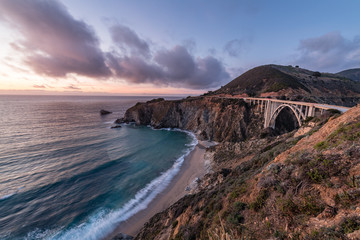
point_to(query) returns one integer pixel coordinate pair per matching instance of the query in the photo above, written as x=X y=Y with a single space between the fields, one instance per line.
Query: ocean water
x=65 y=174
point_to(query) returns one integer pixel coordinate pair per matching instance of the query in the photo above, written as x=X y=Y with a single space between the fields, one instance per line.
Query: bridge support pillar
x=272 y=107
x=311 y=111
x=267 y=113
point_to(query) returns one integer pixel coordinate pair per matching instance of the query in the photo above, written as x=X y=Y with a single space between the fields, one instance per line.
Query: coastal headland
x=266 y=183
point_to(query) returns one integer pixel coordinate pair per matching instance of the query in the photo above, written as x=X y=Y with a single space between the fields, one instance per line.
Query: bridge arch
x=271 y=108
x=299 y=115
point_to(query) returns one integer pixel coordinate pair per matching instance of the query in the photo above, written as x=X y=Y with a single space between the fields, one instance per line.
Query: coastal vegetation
x=264 y=184
x=291 y=188
x=296 y=84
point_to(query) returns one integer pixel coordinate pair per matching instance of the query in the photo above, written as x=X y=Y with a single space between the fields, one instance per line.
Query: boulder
x=104 y=112
x=119 y=121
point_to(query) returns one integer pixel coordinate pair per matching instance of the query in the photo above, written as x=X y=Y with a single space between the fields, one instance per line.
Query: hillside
x=353 y=74
x=261 y=80
x=293 y=83
x=265 y=183
x=300 y=185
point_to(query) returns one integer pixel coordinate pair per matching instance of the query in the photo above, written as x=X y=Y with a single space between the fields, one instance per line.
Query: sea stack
x=104 y=112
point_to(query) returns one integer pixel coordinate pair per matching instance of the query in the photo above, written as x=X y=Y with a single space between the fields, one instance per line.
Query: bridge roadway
x=272 y=108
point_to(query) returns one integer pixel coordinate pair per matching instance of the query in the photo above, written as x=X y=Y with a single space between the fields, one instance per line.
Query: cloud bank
x=126 y=39
x=55 y=44
x=170 y=67
x=329 y=52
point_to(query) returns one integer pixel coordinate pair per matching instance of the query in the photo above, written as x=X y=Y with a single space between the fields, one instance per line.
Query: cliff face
x=215 y=119
x=299 y=185
x=294 y=186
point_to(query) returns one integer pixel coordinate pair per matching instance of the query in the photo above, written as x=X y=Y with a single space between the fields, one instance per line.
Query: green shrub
x=234 y=218
x=259 y=201
x=316 y=74
x=287 y=206
x=233 y=195
x=325 y=233
x=234 y=214
x=349 y=132
x=275 y=87
x=346 y=200
x=239 y=206
x=310 y=206
x=321 y=145
x=315 y=175
x=350 y=225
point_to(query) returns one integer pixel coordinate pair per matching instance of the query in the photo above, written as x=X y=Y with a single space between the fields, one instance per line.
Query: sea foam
x=7 y=196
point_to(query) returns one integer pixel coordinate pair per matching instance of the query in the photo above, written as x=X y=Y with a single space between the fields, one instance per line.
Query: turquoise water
x=65 y=174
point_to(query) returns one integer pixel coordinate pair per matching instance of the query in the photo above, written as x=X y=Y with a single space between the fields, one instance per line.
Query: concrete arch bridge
x=271 y=108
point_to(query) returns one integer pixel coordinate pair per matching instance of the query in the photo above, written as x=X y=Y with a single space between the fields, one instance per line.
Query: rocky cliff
x=215 y=119
x=300 y=185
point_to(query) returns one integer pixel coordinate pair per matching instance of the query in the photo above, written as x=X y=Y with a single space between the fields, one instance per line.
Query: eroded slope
x=285 y=187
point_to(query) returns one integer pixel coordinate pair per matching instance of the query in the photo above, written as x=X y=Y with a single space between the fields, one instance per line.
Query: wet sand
x=193 y=167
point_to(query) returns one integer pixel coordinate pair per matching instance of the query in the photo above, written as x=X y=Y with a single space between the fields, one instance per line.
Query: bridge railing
x=271 y=108
x=316 y=105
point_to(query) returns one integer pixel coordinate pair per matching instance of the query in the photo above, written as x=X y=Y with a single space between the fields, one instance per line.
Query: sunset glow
x=74 y=47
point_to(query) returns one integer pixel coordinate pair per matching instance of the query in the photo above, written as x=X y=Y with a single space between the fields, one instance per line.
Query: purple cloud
x=180 y=68
x=175 y=67
x=177 y=63
x=133 y=69
x=125 y=39
x=329 y=52
x=210 y=72
x=54 y=43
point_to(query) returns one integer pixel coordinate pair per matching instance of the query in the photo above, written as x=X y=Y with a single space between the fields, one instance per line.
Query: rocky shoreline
x=259 y=189
x=211 y=119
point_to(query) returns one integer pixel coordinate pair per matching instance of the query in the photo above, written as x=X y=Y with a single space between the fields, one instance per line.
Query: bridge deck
x=317 y=105
x=273 y=107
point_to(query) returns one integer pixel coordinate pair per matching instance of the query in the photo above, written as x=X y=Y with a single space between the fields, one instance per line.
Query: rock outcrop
x=302 y=184
x=104 y=112
x=210 y=118
x=284 y=187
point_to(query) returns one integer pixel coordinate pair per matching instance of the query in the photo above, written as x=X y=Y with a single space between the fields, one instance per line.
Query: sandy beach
x=193 y=167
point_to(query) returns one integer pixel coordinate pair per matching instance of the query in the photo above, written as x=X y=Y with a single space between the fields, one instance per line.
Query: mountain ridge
x=293 y=83
x=353 y=74
x=302 y=184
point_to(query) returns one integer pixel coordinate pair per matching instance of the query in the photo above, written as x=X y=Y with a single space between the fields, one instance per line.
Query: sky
x=162 y=47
